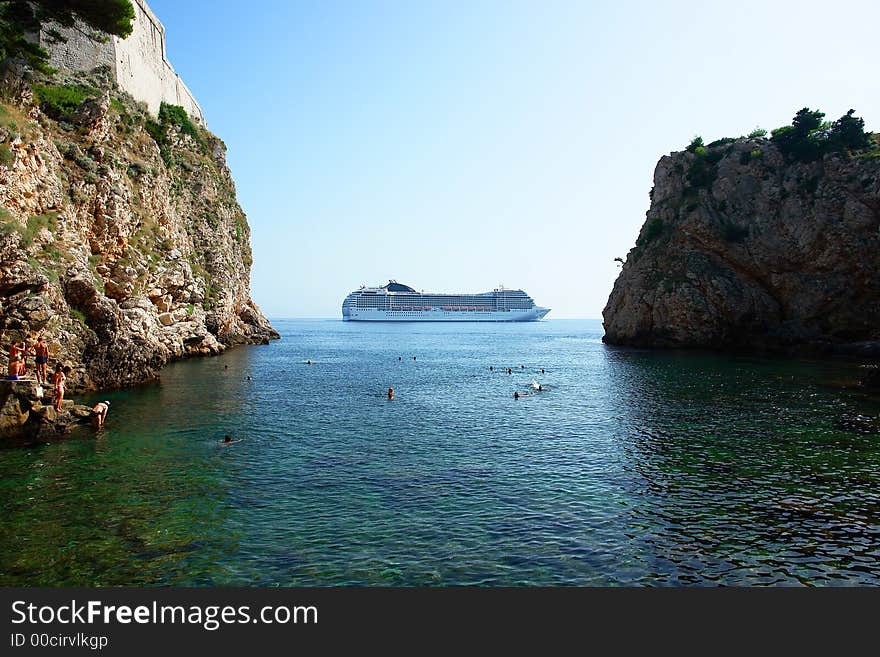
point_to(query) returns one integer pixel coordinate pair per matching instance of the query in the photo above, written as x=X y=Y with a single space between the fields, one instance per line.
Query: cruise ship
x=396 y=302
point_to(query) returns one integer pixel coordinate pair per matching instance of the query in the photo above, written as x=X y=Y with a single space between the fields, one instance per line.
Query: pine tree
x=848 y=132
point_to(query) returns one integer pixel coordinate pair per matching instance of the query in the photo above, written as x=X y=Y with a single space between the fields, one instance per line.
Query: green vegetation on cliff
x=61 y=101
x=808 y=137
x=172 y=116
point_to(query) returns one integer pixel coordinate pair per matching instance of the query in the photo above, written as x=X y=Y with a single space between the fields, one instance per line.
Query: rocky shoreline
x=747 y=248
x=27 y=412
x=121 y=239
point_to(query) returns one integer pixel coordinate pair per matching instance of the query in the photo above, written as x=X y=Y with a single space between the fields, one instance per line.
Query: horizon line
x=271 y=317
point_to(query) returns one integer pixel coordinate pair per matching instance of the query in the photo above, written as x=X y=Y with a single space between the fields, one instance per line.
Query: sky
x=455 y=146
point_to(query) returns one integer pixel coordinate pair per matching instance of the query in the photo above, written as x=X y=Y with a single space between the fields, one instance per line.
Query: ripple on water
x=632 y=467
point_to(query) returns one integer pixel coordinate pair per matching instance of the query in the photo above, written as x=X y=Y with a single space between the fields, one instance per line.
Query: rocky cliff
x=121 y=238
x=747 y=246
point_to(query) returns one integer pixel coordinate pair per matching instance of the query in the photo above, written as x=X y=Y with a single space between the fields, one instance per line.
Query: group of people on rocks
x=17 y=369
x=18 y=353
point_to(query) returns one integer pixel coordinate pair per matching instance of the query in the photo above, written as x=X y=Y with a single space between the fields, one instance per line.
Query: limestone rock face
x=13 y=410
x=747 y=250
x=121 y=240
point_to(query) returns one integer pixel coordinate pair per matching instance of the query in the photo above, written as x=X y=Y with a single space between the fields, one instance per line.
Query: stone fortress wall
x=138 y=63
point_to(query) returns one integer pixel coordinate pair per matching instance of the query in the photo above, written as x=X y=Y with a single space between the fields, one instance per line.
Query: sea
x=628 y=468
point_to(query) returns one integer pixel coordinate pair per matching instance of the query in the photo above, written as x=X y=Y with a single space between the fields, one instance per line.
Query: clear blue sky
x=458 y=145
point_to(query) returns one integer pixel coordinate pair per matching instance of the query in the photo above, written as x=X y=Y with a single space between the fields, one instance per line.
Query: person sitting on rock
x=15 y=359
x=41 y=356
x=100 y=410
x=58 y=380
x=17 y=353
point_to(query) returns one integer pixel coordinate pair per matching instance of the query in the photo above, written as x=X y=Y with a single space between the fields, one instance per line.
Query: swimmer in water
x=491 y=369
x=390 y=394
x=542 y=370
x=515 y=395
x=227 y=440
x=414 y=357
x=522 y=367
x=509 y=371
x=308 y=362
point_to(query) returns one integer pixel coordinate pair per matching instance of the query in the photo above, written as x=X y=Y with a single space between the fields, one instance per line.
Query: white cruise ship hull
x=440 y=315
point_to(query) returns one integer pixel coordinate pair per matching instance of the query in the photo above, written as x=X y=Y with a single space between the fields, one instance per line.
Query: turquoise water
x=631 y=467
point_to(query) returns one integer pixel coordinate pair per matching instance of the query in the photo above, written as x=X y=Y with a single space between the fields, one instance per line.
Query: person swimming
x=516 y=395
x=390 y=394
x=542 y=370
x=227 y=440
x=308 y=362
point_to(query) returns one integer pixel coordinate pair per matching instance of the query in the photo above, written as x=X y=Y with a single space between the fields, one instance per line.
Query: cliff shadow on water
x=785 y=449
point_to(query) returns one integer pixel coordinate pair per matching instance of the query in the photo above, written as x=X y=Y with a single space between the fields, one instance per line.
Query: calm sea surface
x=631 y=467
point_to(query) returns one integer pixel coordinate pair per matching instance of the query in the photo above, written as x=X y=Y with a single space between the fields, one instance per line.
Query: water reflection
x=741 y=475
x=134 y=503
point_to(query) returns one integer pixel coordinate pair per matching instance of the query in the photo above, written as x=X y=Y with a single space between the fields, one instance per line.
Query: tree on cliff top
x=21 y=17
x=849 y=132
x=808 y=137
